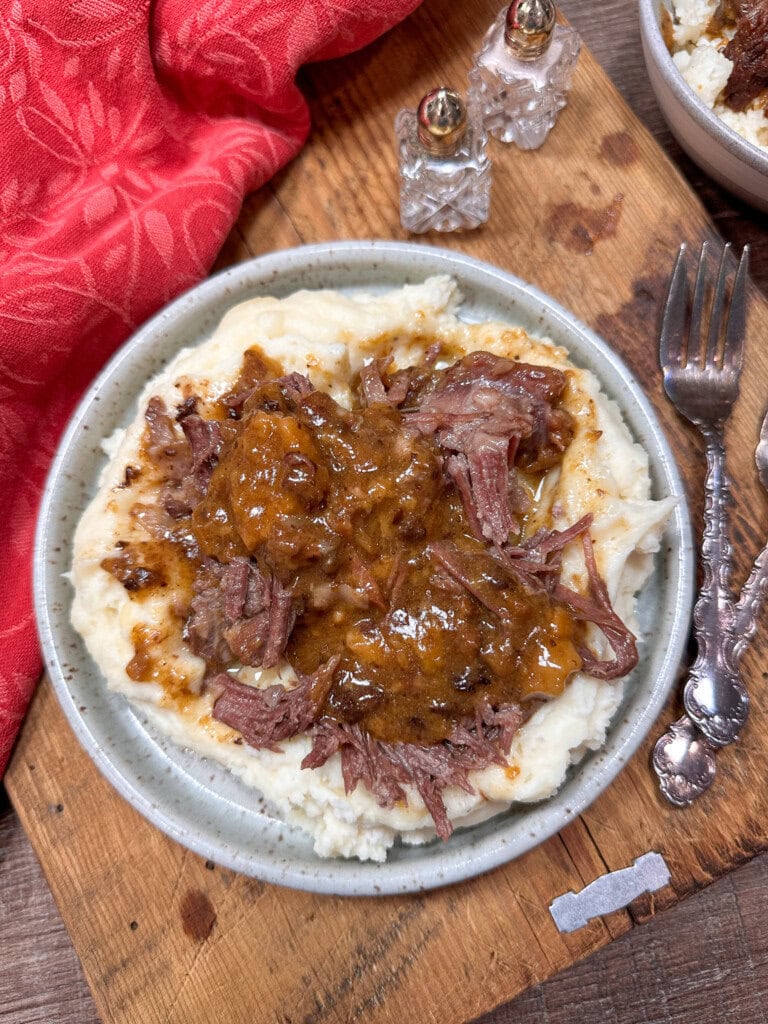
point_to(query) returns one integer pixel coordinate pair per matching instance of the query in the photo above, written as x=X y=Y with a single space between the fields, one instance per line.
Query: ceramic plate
x=197 y=802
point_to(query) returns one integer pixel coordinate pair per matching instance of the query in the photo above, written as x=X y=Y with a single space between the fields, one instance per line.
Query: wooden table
x=706 y=959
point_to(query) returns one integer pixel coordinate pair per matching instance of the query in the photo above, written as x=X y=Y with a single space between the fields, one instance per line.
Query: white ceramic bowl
x=720 y=151
x=199 y=803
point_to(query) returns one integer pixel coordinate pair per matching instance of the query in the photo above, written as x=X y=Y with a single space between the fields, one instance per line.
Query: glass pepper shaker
x=520 y=79
x=445 y=174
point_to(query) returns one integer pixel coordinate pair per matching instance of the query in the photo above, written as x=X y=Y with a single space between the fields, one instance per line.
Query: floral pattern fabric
x=129 y=133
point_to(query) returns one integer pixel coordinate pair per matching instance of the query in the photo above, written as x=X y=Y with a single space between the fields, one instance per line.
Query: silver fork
x=701 y=377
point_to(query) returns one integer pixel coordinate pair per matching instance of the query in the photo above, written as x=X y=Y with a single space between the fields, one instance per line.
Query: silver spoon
x=683 y=759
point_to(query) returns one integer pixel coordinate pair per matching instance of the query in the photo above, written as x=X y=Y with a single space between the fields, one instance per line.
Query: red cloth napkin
x=129 y=134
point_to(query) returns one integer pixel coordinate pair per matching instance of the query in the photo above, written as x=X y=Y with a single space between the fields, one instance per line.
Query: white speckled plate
x=199 y=803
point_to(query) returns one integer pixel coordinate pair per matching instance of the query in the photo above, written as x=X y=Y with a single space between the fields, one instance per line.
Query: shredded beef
x=749 y=52
x=458 y=564
x=296 y=387
x=384 y=768
x=186 y=408
x=282 y=615
x=540 y=556
x=484 y=409
x=536 y=562
x=265 y=717
x=239 y=614
x=205 y=441
x=235 y=400
x=597 y=608
x=247 y=638
x=186 y=461
x=204 y=629
x=235 y=580
x=457 y=468
x=165 y=448
x=372 y=381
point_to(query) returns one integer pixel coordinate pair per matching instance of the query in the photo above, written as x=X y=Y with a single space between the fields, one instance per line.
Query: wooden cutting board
x=594 y=219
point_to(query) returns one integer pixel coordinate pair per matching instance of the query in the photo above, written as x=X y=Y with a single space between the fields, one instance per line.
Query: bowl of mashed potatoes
x=706 y=63
x=379 y=574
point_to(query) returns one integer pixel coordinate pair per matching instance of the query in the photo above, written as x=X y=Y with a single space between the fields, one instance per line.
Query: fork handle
x=713 y=614
x=714 y=696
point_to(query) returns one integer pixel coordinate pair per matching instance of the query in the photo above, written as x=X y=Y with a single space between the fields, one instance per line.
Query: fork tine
x=673 y=319
x=736 y=328
x=718 y=306
x=697 y=309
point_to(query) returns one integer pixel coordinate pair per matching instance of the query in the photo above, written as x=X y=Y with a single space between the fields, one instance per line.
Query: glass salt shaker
x=520 y=79
x=445 y=174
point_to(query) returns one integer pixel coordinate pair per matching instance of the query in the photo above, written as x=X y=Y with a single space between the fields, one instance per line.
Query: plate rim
x=492 y=851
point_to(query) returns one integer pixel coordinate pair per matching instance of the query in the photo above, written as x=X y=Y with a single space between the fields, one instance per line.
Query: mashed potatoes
x=697 y=53
x=328 y=337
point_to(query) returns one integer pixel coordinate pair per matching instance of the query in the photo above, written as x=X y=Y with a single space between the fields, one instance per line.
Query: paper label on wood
x=610 y=892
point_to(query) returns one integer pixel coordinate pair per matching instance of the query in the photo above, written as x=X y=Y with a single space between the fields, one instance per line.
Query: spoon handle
x=748 y=609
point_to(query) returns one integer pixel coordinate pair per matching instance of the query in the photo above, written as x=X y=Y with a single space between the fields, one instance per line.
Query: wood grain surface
x=161 y=935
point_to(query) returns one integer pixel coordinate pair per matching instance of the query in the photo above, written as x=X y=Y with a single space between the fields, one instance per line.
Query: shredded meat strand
x=384 y=768
x=239 y=613
x=748 y=49
x=376 y=387
x=485 y=410
x=598 y=609
x=265 y=717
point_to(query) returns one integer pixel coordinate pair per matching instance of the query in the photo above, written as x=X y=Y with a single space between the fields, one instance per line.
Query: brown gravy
x=343 y=506
x=144 y=567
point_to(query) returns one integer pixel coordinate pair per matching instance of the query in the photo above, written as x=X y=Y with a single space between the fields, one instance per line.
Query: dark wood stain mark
x=250 y=890
x=197 y=915
x=638 y=319
x=111 y=973
x=579 y=228
x=365 y=961
x=633 y=328
x=394 y=976
x=619 y=149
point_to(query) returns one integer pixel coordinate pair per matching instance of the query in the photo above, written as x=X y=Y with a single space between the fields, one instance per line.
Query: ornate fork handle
x=714 y=696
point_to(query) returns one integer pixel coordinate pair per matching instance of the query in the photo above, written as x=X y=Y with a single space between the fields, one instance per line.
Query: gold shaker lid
x=442 y=121
x=529 y=27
